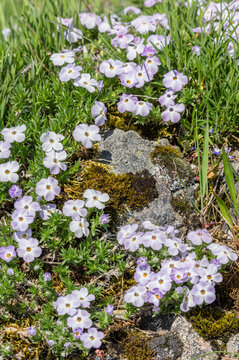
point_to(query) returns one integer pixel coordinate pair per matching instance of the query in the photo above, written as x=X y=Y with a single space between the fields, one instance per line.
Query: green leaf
x=224 y=210
x=205 y=160
x=230 y=180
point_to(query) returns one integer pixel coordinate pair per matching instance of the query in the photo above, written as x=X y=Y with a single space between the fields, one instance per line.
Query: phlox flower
x=48 y=188
x=84 y=297
x=210 y=274
x=21 y=220
x=104 y=219
x=89 y=20
x=99 y=111
x=149 y=226
x=134 y=48
x=196 y=50
x=131 y=9
x=127 y=103
x=133 y=242
x=126 y=232
x=7 y=253
x=15 y=191
x=143 y=24
x=142 y=108
x=32 y=331
x=167 y=99
x=22 y=235
x=154 y=239
x=10 y=271
x=67 y=304
x=26 y=203
x=109 y=310
x=188 y=301
x=75 y=209
x=47 y=210
x=161 y=281
x=142 y=263
x=77 y=333
x=175 y=246
x=223 y=253
x=80 y=320
x=199 y=236
x=79 y=227
x=110 y=68
x=179 y=275
x=92 y=338
x=159 y=41
x=86 y=134
x=51 y=141
x=95 y=198
x=149 y=3
x=154 y=297
x=136 y=295
x=86 y=82
x=73 y=35
x=6 y=33
x=4 y=149
x=122 y=39
x=14 y=134
x=47 y=276
x=142 y=76
x=70 y=71
x=172 y=113
x=174 y=80
x=68 y=22
x=203 y=292
x=151 y=66
x=160 y=19
x=104 y=25
x=142 y=276
x=149 y=51
x=62 y=58
x=53 y=162
x=28 y=249
x=129 y=79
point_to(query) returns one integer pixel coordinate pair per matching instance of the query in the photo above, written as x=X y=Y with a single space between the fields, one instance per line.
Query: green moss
x=181 y=205
x=213 y=323
x=125 y=191
x=136 y=346
x=171 y=158
x=119 y=121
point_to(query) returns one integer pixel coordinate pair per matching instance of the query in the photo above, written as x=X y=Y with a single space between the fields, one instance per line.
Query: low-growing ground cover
x=76 y=272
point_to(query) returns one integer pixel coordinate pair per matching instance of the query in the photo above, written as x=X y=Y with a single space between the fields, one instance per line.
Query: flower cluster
x=51 y=144
x=79 y=319
x=185 y=270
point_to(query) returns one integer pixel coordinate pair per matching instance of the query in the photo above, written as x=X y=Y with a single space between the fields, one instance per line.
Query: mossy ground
x=125 y=191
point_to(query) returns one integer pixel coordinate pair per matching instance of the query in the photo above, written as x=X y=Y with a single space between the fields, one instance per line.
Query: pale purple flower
x=92 y=338
x=175 y=246
x=142 y=262
x=21 y=220
x=50 y=342
x=137 y=295
x=143 y=24
x=100 y=85
x=77 y=333
x=104 y=219
x=99 y=111
x=68 y=22
x=73 y=35
x=67 y=345
x=26 y=203
x=47 y=276
x=134 y=48
x=216 y=151
x=142 y=108
x=154 y=297
x=48 y=188
x=172 y=113
x=142 y=76
x=187 y=302
x=196 y=50
x=51 y=141
x=75 y=209
x=159 y=41
x=6 y=33
x=127 y=103
x=67 y=304
x=110 y=68
x=142 y=276
x=154 y=239
x=199 y=236
x=80 y=320
x=8 y=171
x=151 y=66
x=86 y=82
x=53 y=161
x=4 y=149
x=22 y=235
x=47 y=210
x=149 y=51
x=129 y=79
x=223 y=253
x=104 y=26
x=15 y=191
x=167 y=99
x=28 y=249
x=10 y=271
x=133 y=242
x=79 y=227
x=179 y=275
x=86 y=134
x=210 y=274
x=161 y=281
x=31 y=330
x=89 y=20
x=84 y=297
x=203 y=292
x=149 y=3
x=7 y=253
x=125 y=232
x=109 y=309
x=122 y=39
x=14 y=134
x=131 y=9
x=70 y=71
x=175 y=80
x=95 y=198
x=62 y=58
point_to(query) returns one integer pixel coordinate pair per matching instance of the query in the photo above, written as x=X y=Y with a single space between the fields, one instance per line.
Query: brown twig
x=33 y=31
x=43 y=65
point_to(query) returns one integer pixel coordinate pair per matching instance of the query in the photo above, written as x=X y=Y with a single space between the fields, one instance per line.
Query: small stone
x=233 y=344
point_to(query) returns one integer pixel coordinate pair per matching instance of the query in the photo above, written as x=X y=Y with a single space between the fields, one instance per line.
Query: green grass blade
x=224 y=211
x=230 y=180
x=205 y=160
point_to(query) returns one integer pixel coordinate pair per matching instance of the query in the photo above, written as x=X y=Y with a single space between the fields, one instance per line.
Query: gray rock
x=193 y=344
x=167 y=346
x=233 y=344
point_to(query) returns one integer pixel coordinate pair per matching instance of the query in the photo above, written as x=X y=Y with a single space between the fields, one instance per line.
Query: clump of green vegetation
x=171 y=158
x=119 y=121
x=213 y=323
x=125 y=190
x=136 y=346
